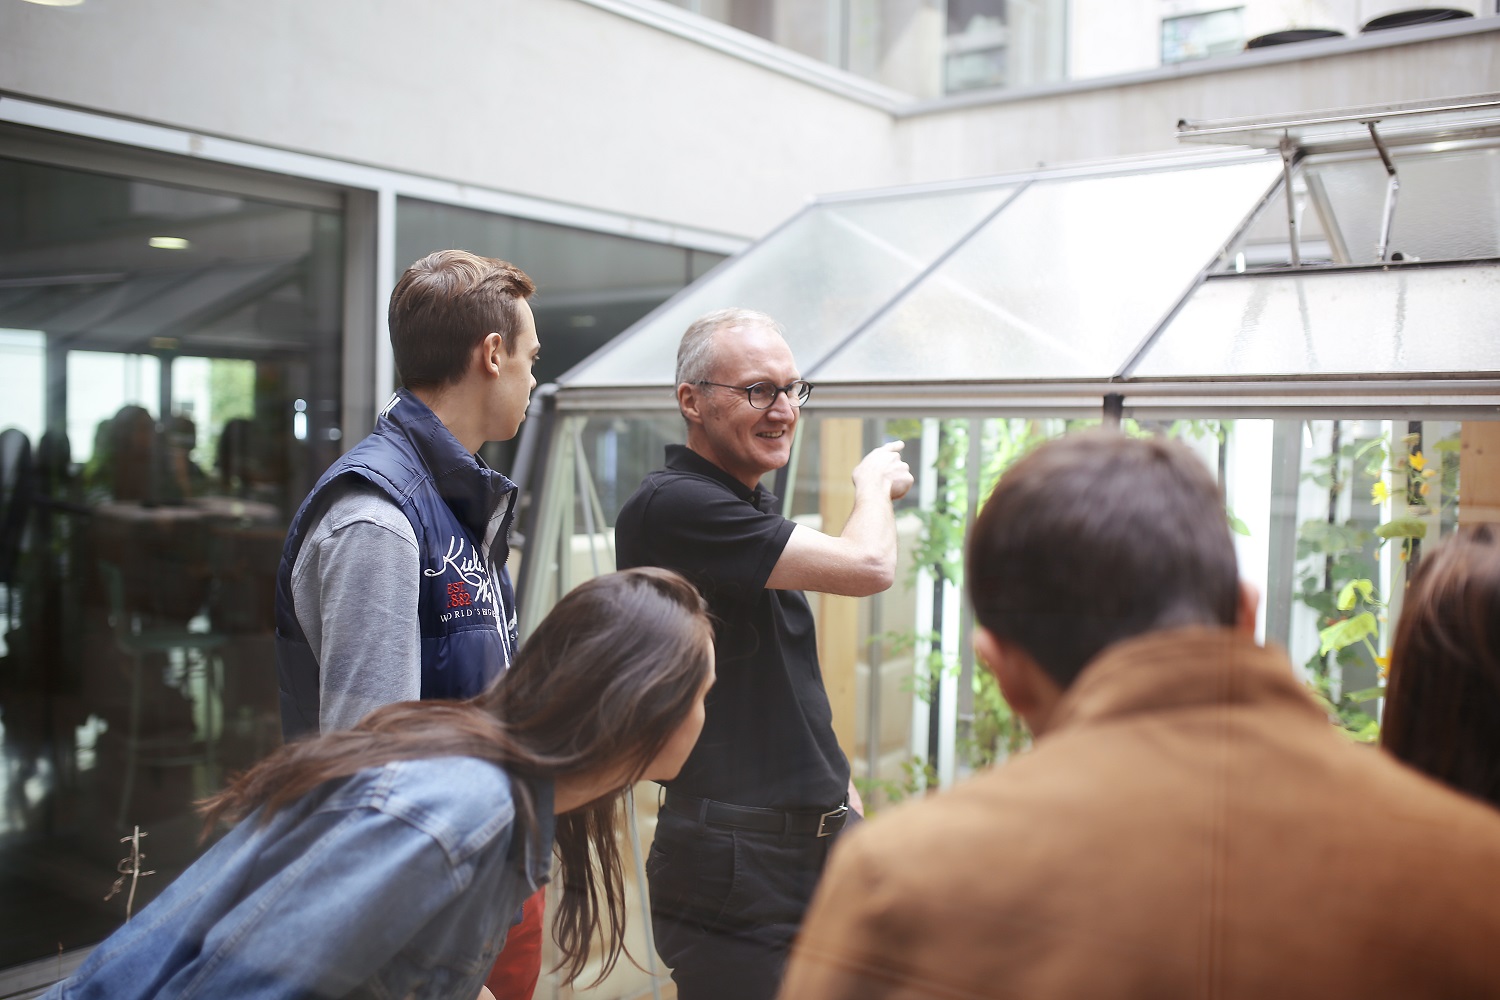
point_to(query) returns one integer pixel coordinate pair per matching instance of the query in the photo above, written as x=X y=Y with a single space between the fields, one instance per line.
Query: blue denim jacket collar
x=538 y=848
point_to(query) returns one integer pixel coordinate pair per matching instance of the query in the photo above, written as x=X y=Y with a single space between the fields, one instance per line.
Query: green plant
x=997 y=732
x=1412 y=478
x=1339 y=561
x=917 y=777
x=1360 y=628
x=1338 y=566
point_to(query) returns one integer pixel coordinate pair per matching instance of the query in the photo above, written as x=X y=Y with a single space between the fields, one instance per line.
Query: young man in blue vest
x=392 y=585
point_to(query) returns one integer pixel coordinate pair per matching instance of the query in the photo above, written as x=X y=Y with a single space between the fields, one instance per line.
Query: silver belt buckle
x=839 y=813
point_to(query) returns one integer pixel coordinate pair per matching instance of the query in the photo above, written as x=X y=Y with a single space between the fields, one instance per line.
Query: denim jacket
x=399 y=881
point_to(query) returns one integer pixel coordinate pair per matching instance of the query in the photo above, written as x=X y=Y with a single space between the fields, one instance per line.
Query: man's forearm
x=871 y=530
x=861 y=559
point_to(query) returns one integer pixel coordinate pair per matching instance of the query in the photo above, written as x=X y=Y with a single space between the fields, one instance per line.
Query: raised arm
x=860 y=560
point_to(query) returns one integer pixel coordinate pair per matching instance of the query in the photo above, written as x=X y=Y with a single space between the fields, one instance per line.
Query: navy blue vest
x=467 y=622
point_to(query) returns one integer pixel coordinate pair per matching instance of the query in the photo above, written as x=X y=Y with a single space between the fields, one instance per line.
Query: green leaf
x=1451 y=444
x=1237 y=526
x=1402 y=527
x=1346 y=633
x=1368 y=694
x=1365 y=589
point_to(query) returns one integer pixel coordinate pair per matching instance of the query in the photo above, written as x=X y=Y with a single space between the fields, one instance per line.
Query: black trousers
x=726 y=904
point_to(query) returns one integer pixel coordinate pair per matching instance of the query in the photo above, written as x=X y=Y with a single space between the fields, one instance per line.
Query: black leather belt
x=824 y=824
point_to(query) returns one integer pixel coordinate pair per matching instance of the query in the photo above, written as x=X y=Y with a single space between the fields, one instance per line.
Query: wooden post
x=841 y=446
x=1479 y=472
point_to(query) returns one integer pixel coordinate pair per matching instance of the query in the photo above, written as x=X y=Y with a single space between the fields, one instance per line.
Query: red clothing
x=519 y=964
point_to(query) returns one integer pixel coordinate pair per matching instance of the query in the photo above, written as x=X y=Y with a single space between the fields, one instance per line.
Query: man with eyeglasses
x=744 y=830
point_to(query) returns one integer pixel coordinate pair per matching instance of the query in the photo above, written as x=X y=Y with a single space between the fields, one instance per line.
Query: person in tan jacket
x=1188 y=823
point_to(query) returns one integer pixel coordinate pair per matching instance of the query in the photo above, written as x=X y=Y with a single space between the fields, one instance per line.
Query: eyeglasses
x=762 y=395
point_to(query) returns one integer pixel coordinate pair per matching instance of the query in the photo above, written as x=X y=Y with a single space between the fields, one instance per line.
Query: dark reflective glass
x=170 y=373
x=590 y=286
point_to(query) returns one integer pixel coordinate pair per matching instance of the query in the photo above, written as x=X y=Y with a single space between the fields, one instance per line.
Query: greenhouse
x=1312 y=347
x=1310 y=307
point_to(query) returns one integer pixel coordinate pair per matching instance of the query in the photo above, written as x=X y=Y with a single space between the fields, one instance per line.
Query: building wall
x=550 y=98
x=563 y=100
x=1102 y=122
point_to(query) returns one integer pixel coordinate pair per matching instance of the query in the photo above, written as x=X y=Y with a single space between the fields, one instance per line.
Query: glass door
x=170 y=372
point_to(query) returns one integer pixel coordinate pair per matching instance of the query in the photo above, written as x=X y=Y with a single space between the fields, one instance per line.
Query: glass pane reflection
x=160 y=349
x=821 y=276
x=1447 y=208
x=1378 y=322
x=1064 y=283
x=590 y=286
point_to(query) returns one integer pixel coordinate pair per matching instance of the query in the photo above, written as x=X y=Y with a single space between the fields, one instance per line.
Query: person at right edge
x=745 y=829
x=1189 y=823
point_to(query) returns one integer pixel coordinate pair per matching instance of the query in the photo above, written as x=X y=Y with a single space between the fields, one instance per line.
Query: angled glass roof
x=1096 y=279
x=1380 y=322
x=1447 y=208
x=1062 y=284
x=822 y=274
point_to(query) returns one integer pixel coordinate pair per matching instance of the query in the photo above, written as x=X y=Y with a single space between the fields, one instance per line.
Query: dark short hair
x=1095 y=538
x=444 y=305
x=1442 y=702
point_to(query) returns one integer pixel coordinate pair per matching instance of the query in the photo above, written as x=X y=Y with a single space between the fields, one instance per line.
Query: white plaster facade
x=585 y=103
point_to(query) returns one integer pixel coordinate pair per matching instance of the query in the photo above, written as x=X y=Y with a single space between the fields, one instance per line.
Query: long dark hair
x=1442 y=702
x=598 y=689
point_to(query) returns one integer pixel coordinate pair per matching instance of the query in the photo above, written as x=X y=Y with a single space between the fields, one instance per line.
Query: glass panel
x=1304 y=499
x=993 y=43
x=1064 y=283
x=594 y=465
x=821 y=276
x=171 y=364
x=1370 y=497
x=1396 y=321
x=1447 y=208
x=1198 y=36
x=590 y=286
x=893 y=42
x=1265 y=242
x=23 y=355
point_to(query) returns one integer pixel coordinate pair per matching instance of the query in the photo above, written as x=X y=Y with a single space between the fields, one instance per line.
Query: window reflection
x=590 y=286
x=153 y=340
x=929 y=47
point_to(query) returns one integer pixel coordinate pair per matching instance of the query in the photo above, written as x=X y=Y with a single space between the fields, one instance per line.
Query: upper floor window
x=932 y=47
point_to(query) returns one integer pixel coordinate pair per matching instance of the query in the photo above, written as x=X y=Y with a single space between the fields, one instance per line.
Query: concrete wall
x=552 y=98
x=1099 y=123
x=563 y=100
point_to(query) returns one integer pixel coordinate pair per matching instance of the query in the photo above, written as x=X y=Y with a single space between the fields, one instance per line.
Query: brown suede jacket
x=1189 y=826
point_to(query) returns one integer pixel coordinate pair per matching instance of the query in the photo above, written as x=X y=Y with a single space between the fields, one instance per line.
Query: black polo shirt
x=768 y=737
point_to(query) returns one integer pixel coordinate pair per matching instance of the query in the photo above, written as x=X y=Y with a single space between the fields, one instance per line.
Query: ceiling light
x=57 y=3
x=169 y=243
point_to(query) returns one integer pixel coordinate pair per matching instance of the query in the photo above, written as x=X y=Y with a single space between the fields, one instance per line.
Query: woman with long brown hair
x=1442 y=702
x=388 y=860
